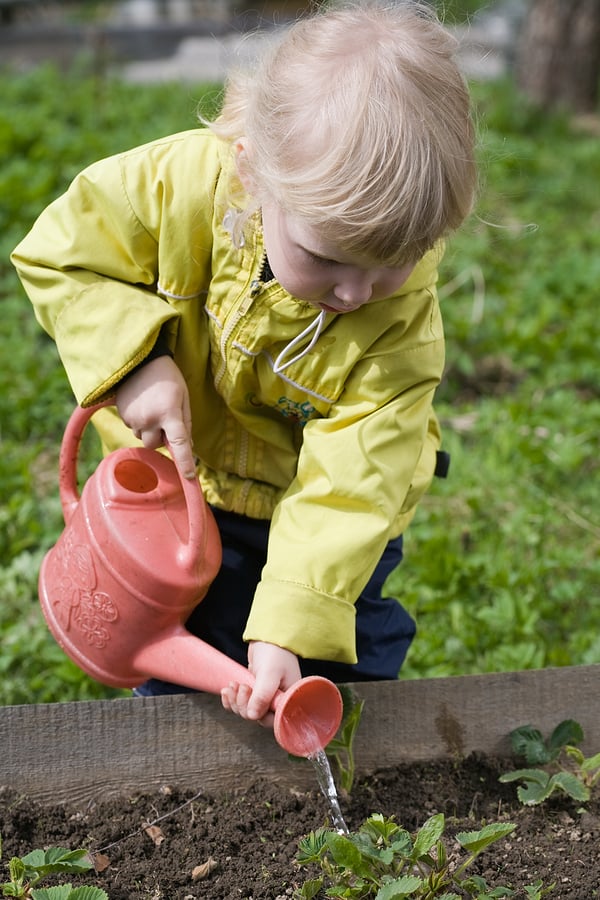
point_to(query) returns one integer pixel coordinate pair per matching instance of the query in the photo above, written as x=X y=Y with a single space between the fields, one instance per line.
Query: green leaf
x=531 y=774
x=590 y=763
x=474 y=883
x=402 y=845
x=311 y=888
x=567 y=732
x=378 y=826
x=575 y=754
x=16 y=869
x=536 y=787
x=311 y=847
x=531 y=794
x=537 y=890
x=382 y=855
x=540 y=785
x=478 y=887
x=428 y=835
x=571 y=785
x=476 y=841
x=528 y=742
x=12 y=890
x=537 y=776
x=399 y=888
x=88 y=892
x=379 y=852
x=498 y=892
x=344 y=852
x=57 y=859
x=352 y=709
x=67 y=892
x=59 y=892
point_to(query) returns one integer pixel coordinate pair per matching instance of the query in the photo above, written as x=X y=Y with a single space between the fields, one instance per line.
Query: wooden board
x=82 y=751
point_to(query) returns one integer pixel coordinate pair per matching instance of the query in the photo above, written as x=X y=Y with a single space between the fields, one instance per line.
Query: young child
x=261 y=292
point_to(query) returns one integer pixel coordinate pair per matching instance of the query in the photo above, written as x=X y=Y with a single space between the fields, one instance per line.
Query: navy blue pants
x=384 y=630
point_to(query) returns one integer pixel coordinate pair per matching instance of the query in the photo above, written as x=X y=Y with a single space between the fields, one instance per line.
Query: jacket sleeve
x=361 y=471
x=93 y=262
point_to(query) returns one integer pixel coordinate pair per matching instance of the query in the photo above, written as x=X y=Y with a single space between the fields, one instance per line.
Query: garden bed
x=114 y=767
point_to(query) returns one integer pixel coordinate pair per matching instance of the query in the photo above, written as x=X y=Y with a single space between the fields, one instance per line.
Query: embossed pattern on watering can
x=83 y=606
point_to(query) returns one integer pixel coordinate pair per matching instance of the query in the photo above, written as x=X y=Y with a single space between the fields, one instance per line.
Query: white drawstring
x=317 y=326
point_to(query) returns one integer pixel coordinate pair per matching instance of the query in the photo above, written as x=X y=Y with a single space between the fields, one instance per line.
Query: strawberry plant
x=341 y=748
x=559 y=764
x=27 y=871
x=383 y=861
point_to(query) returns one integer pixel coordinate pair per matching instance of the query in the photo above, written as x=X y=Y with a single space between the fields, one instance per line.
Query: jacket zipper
x=240 y=312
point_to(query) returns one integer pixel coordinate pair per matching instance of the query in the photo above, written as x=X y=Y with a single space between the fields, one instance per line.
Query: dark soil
x=245 y=844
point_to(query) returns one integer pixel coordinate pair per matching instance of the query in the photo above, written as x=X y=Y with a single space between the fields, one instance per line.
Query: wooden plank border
x=79 y=752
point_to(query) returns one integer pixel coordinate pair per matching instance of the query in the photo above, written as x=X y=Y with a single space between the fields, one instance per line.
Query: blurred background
x=502 y=564
x=191 y=38
x=545 y=39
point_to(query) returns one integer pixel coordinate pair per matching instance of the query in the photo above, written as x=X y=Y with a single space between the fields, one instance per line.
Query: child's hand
x=154 y=402
x=274 y=669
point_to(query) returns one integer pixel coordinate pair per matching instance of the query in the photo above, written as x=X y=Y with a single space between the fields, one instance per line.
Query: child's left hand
x=274 y=669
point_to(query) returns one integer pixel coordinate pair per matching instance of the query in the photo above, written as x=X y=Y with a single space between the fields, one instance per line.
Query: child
x=262 y=293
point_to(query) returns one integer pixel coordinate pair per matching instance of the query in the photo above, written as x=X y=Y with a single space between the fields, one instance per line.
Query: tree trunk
x=558 y=60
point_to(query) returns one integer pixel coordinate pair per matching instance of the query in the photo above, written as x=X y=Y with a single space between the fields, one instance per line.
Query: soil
x=243 y=846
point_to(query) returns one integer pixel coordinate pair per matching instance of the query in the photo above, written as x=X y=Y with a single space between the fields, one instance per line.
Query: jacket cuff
x=160 y=348
x=310 y=624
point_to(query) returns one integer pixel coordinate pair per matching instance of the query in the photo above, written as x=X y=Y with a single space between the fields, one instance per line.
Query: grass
x=502 y=567
x=503 y=560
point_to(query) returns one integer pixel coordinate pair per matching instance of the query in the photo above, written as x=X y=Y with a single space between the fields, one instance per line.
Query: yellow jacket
x=333 y=437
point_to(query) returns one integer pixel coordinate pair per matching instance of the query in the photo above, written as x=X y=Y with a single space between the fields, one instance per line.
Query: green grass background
x=502 y=567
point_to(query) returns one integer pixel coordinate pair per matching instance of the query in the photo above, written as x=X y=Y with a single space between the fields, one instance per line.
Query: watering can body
x=126 y=567
x=138 y=553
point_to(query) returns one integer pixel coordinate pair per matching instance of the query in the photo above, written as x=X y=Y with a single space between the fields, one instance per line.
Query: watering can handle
x=69 y=490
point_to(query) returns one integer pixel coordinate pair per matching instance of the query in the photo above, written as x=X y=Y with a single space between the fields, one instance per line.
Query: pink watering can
x=138 y=553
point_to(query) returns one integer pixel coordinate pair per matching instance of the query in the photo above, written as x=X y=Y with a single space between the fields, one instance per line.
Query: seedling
x=565 y=769
x=383 y=861
x=27 y=871
x=341 y=748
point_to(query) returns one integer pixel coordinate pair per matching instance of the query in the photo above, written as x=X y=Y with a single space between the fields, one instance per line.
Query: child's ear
x=244 y=168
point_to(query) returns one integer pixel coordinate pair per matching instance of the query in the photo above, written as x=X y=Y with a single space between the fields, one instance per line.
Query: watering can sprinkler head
x=138 y=553
x=307 y=716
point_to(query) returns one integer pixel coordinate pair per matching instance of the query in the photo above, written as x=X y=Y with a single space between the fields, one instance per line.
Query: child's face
x=311 y=268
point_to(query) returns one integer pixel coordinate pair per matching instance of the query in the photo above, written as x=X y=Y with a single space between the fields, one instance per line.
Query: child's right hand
x=154 y=402
x=274 y=669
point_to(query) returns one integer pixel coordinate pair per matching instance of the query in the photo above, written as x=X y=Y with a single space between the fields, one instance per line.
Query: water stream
x=328 y=789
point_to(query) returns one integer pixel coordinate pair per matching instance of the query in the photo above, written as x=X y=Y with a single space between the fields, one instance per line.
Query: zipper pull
x=246 y=303
x=255 y=288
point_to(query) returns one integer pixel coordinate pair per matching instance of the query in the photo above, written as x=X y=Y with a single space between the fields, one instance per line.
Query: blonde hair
x=358 y=123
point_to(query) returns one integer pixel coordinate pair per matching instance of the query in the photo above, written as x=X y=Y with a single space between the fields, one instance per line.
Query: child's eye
x=319 y=260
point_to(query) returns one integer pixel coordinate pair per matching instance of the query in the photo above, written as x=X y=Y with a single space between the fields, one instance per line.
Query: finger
x=235 y=698
x=226 y=699
x=236 y=701
x=187 y=414
x=152 y=438
x=180 y=447
x=267 y=721
x=261 y=698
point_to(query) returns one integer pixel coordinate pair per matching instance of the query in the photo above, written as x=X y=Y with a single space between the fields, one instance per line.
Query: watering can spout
x=307 y=715
x=139 y=551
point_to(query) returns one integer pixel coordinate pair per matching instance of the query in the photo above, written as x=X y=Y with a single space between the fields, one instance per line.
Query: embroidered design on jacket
x=299 y=412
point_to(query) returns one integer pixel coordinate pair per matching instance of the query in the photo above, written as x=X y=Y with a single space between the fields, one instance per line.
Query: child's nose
x=354 y=289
